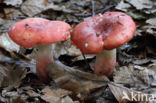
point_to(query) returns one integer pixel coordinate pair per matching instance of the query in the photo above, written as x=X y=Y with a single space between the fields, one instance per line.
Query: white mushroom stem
x=105 y=62
x=44 y=56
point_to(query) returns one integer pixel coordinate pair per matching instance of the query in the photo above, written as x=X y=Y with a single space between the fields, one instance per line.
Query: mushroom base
x=105 y=62
x=44 y=56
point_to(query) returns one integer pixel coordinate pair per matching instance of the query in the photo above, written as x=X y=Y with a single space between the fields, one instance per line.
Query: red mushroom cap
x=106 y=31
x=32 y=31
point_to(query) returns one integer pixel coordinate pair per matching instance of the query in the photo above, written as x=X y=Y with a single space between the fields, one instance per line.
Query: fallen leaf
x=141 y=61
x=124 y=95
x=73 y=80
x=3 y=73
x=13 y=2
x=33 y=7
x=141 y=4
x=32 y=93
x=123 y=6
x=1 y=21
x=12 y=13
x=65 y=48
x=13 y=78
x=8 y=44
x=119 y=92
x=135 y=76
x=54 y=96
x=151 y=29
x=136 y=15
x=151 y=21
x=18 y=100
x=67 y=99
x=6 y=25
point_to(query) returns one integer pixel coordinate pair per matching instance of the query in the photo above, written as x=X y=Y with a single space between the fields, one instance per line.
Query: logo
x=125 y=96
x=138 y=97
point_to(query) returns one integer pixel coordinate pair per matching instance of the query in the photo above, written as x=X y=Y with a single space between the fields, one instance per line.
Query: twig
x=93 y=14
x=102 y=10
x=86 y=61
x=93 y=7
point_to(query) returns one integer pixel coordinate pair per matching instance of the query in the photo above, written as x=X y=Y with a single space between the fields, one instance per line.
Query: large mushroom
x=101 y=35
x=39 y=33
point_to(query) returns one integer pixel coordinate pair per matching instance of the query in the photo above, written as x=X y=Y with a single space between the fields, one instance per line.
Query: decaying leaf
x=7 y=43
x=123 y=57
x=33 y=7
x=123 y=6
x=1 y=21
x=18 y=100
x=13 y=78
x=67 y=99
x=54 y=96
x=124 y=95
x=136 y=15
x=150 y=29
x=3 y=73
x=13 y=2
x=141 y=4
x=75 y=80
x=151 y=21
x=136 y=76
x=6 y=24
x=139 y=76
x=141 y=61
x=32 y=93
x=12 y=13
x=65 y=47
x=119 y=92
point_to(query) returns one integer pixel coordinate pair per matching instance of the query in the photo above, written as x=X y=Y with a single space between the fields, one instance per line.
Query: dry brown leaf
x=136 y=76
x=151 y=29
x=124 y=95
x=13 y=2
x=6 y=24
x=67 y=99
x=151 y=21
x=12 y=13
x=1 y=21
x=65 y=47
x=141 y=61
x=119 y=92
x=123 y=76
x=33 y=7
x=123 y=6
x=72 y=79
x=18 y=100
x=54 y=96
x=3 y=73
x=32 y=93
x=141 y=4
x=8 y=44
x=13 y=78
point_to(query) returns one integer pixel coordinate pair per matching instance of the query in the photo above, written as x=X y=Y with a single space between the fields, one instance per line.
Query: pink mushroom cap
x=107 y=31
x=33 y=31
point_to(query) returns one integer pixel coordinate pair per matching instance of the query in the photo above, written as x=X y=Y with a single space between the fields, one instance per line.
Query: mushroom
x=41 y=33
x=101 y=35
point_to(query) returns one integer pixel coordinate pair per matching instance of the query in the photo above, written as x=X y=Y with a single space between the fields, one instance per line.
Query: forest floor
x=134 y=75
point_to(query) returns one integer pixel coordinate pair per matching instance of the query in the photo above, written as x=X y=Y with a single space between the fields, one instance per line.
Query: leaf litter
x=70 y=82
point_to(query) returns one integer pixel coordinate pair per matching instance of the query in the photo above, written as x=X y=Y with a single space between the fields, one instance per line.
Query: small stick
x=93 y=7
x=86 y=61
x=93 y=14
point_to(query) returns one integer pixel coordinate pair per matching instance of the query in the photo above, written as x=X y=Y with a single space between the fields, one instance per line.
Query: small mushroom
x=41 y=33
x=101 y=35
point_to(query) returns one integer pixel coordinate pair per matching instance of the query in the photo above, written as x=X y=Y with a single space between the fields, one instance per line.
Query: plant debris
x=71 y=76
